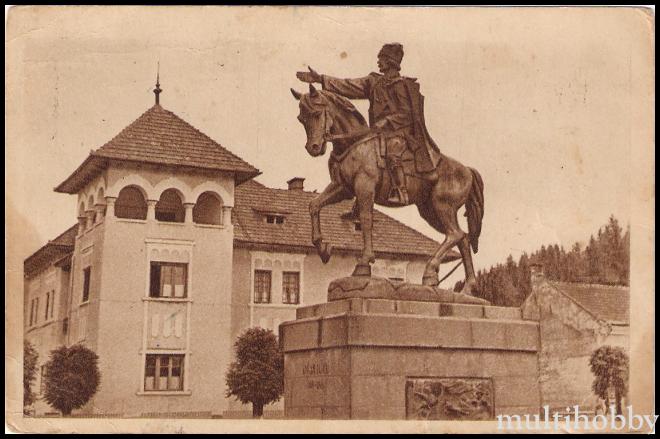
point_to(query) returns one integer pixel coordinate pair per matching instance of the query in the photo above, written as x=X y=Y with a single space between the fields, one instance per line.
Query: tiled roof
x=609 y=303
x=53 y=250
x=159 y=136
x=253 y=200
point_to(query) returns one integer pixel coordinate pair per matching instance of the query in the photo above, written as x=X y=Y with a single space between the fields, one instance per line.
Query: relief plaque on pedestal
x=449 y=399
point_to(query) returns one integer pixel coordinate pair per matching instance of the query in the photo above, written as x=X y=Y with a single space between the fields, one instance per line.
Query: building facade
x=574 y=320
x=176 y=252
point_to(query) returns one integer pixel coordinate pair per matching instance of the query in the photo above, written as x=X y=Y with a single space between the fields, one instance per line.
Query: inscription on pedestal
x=316 y=368
x=449 y=399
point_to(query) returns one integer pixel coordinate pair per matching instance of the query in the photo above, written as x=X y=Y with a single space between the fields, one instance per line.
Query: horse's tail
x=474 y=209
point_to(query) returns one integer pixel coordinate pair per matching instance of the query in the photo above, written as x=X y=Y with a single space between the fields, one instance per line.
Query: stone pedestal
x=364 y=358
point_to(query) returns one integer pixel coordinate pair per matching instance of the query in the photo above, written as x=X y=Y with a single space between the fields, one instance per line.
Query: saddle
x=395 y=155
x=394 y=145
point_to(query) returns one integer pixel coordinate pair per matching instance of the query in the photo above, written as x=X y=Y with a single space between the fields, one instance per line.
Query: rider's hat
x=393 y=51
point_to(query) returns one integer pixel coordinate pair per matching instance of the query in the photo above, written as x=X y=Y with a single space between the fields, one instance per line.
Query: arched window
x=208 y=209
x=131 y=204
x=81 y=215
x=90 y=204
x=100 y=199
x=170 y=208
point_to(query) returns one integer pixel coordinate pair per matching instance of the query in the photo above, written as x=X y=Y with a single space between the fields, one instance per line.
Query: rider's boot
x=400 y=194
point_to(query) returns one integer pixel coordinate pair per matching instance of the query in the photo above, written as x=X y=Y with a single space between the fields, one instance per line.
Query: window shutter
x=166 y=280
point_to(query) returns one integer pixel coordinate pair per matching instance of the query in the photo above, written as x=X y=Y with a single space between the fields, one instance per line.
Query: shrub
x=72 y=378
x=30 y=359
x=257 y=375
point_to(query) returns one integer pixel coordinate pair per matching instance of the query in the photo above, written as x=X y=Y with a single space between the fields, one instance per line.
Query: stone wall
x=568 y=336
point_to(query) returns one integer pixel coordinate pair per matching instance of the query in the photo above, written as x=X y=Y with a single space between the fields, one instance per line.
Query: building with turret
x=176 y=251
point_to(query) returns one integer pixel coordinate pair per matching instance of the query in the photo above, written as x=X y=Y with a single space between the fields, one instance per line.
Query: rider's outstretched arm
x=357 y=88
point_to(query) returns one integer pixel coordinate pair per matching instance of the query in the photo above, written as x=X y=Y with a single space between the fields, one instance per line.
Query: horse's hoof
x=325 y=252
x=362 y=270
x=430 y=281
x=468 y=289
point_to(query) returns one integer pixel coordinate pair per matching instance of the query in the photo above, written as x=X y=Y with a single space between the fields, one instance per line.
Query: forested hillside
x=604 y=260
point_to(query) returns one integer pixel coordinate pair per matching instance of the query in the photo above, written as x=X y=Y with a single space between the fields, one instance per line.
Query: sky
x=540 y=101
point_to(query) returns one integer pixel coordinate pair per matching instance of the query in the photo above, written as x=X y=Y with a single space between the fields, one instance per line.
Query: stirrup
x=399 y=196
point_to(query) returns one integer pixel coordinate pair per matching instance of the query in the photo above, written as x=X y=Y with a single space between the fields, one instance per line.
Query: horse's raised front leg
x=330 y=195
x=365 y=194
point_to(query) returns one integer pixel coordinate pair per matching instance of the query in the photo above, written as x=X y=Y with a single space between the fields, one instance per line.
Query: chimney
x=536 y=271
x=296 y=184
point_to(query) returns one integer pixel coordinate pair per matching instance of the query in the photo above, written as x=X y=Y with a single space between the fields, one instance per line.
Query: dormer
x=273 y=218
x=271 y=215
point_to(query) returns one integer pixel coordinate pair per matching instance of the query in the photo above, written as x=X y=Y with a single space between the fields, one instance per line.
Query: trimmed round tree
x=72 y=378
x=609 y=364
x=257 y=375
x=30 y=359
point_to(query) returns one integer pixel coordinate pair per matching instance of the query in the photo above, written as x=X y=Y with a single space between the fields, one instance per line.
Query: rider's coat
x=396 y=105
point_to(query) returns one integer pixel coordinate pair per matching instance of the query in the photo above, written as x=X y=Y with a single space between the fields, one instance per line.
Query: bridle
x=360 y=135
x=329 y=137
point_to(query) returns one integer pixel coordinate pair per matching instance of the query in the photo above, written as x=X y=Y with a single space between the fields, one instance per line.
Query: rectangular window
x=275 y=219
x=47 y=306
x=163 y=372
x=52 y=304
x=42 y=379
x=36 y=311
x=290 y=287
x=65 y=326
x=82 y=327
x=31 y=312
x=87 y=273
x=168 y=280
x=262 y=283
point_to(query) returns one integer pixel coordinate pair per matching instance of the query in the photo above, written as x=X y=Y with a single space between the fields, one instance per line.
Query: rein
x=339 y=157
x=349 y=135
x=329 y=137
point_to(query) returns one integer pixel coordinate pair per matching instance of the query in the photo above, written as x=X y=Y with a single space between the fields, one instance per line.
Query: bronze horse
x=354 y=172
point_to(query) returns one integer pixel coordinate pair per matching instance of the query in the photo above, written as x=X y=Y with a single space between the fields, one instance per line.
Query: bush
x=72 y=378
x=30 y=359
x=257 y=375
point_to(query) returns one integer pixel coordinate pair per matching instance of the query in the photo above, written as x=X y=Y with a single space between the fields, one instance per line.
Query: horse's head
x=315 y=117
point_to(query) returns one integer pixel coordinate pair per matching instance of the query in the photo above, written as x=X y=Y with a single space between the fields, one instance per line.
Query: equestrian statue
x=391 y=161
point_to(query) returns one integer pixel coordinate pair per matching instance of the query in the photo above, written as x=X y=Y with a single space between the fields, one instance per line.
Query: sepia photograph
x=318 y=219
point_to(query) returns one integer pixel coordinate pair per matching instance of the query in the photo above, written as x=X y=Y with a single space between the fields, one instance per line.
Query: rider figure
x=395 y=112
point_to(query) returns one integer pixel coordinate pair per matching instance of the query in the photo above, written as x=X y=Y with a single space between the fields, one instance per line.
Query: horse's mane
x=340 y=101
